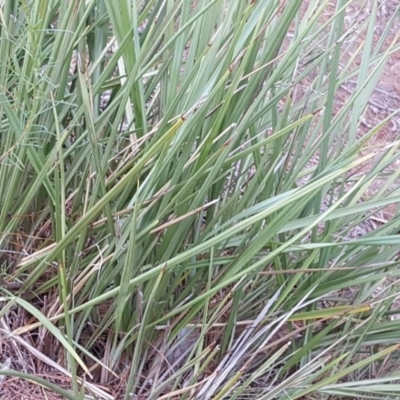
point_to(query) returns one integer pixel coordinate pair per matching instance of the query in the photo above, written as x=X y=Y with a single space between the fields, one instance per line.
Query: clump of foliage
x=179 y=194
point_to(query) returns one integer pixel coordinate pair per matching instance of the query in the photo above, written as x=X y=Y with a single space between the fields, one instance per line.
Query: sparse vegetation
x=185 y=210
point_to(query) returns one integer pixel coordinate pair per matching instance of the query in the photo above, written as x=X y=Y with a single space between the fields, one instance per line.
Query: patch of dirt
x=385 y=99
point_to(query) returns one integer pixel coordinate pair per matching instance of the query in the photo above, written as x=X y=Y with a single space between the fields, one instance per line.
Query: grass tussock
x=185 y=210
